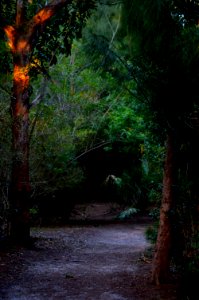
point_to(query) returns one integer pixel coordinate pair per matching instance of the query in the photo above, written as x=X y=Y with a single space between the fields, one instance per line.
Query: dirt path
x=104 y=262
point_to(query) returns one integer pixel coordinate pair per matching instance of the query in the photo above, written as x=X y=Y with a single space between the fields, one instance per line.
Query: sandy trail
x=101 y=262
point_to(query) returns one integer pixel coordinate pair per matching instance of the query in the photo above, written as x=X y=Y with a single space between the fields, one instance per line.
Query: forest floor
x=101 y=259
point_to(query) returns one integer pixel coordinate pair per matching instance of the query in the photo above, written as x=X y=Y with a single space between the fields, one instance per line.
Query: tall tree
x=169 y=68
x=31 y=39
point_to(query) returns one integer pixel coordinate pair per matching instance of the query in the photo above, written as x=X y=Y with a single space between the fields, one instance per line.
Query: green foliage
x=127 y=213
x=67 y=122
x=152 y=230
x=88 y=109
x=129 y=118
x=7 y=13
x=152 y=173
x=5 y=123
x=61 y=31
x=124 y=121
x=130 y=191
x=167 y=72
x=139 y=21
x=5 y=161
x=5 y=58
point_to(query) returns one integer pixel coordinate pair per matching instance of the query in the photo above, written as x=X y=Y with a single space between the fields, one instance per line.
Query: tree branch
x=110 y=3
x=91 y=149
x=20 y=12
x=36 y=100
x=44 y=14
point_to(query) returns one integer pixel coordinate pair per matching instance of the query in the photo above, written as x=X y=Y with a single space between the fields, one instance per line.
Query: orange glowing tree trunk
x=20 y=38
x=20 y=183
x=19 y=191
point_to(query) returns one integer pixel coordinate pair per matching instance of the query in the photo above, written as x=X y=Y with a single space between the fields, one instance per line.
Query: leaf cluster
x=58 y=34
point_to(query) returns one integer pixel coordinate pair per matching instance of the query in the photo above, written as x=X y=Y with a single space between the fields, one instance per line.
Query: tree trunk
x=20 y=183
x=161 y=260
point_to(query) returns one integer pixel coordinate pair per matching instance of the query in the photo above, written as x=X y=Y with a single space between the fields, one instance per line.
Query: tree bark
x=20 y=181
x=161 y=260
x=19 y=191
